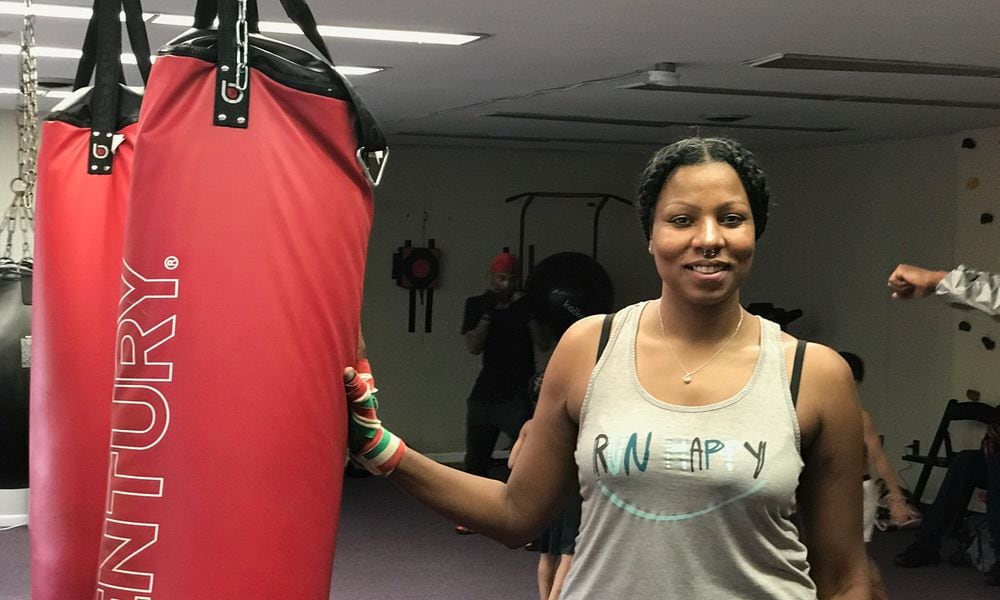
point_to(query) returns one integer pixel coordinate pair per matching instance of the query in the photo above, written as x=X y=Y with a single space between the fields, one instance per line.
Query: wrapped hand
x=371 y=445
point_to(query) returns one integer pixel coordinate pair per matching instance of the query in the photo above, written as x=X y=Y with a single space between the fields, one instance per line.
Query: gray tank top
x=687 y=502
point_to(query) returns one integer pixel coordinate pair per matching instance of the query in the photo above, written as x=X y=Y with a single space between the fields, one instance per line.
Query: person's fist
x=907 y=281
x=371 y=445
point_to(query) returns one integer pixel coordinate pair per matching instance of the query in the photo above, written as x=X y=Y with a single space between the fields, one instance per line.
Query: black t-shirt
x=508 y=353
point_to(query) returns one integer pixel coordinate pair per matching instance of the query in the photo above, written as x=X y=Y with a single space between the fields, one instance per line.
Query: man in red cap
x=497 y=325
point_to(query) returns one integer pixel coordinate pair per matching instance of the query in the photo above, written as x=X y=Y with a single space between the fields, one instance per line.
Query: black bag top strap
x=371 y=139
x=372 y=144
x=85 y=68
x=298 y=11
x=800 y=353
x=205 y=12
x=98 y=34
x=107 y=75
x=137 y=37
x=605 y=334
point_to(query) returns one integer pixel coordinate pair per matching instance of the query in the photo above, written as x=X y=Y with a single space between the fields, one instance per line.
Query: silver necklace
x=689 y=375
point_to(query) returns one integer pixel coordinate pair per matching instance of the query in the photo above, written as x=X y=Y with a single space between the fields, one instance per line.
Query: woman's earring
x=650 y=248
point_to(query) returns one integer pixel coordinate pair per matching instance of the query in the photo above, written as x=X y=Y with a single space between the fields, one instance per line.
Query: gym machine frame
x=529 y=197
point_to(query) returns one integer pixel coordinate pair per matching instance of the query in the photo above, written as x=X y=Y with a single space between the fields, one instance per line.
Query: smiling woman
x=716 y=457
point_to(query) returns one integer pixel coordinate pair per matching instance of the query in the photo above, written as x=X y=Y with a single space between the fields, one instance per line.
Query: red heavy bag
x=79 y=237
x=244 y=257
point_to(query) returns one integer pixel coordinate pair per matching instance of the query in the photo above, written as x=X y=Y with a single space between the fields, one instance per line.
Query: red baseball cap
x=505 y=262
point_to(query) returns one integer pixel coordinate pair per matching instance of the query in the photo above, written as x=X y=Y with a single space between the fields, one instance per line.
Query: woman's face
x=703 y=234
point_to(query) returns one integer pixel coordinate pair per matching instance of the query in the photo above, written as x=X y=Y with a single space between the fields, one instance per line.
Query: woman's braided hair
x=698 y=151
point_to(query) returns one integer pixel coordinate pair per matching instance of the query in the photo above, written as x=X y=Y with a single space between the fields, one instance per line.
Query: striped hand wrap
x=371 y=445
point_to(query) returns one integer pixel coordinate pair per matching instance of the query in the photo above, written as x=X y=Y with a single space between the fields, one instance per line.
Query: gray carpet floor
x=430 y=562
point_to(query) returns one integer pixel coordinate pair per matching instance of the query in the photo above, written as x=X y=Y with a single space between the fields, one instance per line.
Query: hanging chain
x=242 y=46
x=20 y=215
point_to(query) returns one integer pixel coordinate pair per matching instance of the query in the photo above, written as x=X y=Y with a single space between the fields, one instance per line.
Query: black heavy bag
x=568 y=286
x=83 y=182
x=244 y=259
x=15 y=329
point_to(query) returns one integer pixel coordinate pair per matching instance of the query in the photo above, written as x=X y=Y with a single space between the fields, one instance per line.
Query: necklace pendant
x=686 y=378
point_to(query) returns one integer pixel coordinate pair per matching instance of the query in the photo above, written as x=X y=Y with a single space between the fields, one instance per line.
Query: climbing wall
x=975 y=336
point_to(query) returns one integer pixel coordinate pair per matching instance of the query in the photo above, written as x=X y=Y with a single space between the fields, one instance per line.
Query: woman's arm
x=830 y=487
x=545 y=472
x=873 y=445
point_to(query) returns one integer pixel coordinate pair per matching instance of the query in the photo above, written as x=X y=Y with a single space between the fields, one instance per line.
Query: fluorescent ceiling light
x=348 y=71
x=129 y=59
x=41 y=93
x=46 y=10
x=64 y=12
x=396 y=35
x=356 y=33
x=382 y=35
x=176 y=20
x=41 y=51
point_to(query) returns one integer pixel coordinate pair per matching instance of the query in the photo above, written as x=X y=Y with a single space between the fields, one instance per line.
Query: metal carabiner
x=381 y=158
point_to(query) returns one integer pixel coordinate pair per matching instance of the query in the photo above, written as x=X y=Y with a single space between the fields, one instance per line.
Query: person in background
x=899 y=510
x=557 y=543
x=968 y=469
x=497 y=324
x=699 y=435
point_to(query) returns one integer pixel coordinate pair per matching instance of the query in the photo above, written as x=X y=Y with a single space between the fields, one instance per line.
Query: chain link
x=20 y=215
x=242 y=46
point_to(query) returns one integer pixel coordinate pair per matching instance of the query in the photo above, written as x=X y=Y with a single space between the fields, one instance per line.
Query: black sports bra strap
x=800 y=352
x=605 y=334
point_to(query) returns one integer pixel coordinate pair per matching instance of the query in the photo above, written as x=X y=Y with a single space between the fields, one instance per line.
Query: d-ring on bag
x=245 y=249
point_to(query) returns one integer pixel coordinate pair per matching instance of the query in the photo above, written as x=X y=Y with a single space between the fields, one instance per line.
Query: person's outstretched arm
x=830 y=486
x=542 y=478
x=976 y=289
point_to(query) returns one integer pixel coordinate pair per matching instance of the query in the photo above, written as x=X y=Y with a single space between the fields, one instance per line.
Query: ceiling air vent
x=660 y=124
x=869 y=65
x=520 y=138
x=690 y=89
x=725 y=118
x=55 y=83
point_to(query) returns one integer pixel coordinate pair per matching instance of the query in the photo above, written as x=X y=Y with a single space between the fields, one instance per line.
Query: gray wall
x=845 y=216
